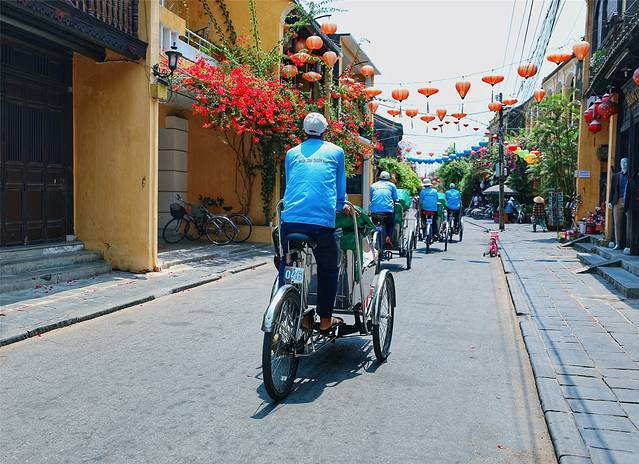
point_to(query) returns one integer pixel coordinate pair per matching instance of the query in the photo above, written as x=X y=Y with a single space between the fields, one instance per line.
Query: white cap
x=427 y=183
x=315 y=124
x=384 y=175
x=452 y=186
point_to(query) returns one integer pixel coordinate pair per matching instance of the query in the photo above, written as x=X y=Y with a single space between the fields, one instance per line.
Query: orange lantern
x=329 y=58
x=427 y=118
x=447 y=121
x=289 y=71
x=527 y=70
x=411 y=113
x=581 y=49
x=465 y=124
x=462 y=88
x=441 y=113
x=539 y=95
x=558 y=58
x=302 y=57
x=328 y=28
x=428 y=92
x=434 y=128
x=373 y=106
x=458 y=115
x=495 y=106
x=509 y=101
x=400 y=94
x=311 y=76
x=475 y=129
x=492 y=79
x=314 y=42
x=367 y=70
x=372 y=92
x=393 y=112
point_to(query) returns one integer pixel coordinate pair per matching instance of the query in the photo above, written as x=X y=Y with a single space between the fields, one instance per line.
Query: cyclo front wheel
x=279 y=364
x=385 y=314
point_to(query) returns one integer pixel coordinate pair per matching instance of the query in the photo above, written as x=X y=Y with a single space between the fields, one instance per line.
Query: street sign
x=582 y=174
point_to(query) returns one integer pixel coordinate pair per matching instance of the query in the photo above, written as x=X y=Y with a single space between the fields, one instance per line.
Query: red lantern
x=509 y=101
x=447 y=121
x=458 y=115
x=594 y=127
x=328 y=28
x=411 y=113
x=329 y=58
x=462 y=88
x=465 y=124
x=527 y=70
x=608 y=108
x=373 y=106
x=372 y=92
x=289 y=71
x=367 y=70
x=302 y=57
x=559 y=58
x=635 y=76
x=589 y=115
x=399 y=94
x=311 y=76
x=314 y=42
x=492 y=80
x=475 y=129
x=434 y=128
x=441 y=113
x=428 y=92
x=539 y=95
x=393 y=112
x=595 y=107
x=495 y=106
x=418 y=152
x=427 y=118
x=581 y=49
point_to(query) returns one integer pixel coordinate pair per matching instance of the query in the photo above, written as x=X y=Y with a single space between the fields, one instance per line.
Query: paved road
x=178 y=380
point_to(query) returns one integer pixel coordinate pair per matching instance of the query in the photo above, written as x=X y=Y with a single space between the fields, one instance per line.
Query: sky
x=413 y=41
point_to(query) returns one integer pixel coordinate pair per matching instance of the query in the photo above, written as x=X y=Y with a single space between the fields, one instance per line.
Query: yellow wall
x=115 y=155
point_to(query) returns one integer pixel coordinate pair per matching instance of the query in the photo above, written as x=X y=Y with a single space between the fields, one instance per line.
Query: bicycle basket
x=177 y=210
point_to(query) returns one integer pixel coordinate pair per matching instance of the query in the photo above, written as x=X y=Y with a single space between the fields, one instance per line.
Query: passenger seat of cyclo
x=382 y=204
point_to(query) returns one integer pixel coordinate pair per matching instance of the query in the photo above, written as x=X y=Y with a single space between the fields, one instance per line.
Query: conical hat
x=538 y=200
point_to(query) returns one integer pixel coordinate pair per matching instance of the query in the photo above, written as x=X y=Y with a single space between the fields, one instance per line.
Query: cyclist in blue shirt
x=428 y=198
x=315 y=191
x=453 y=203
x=382 y=204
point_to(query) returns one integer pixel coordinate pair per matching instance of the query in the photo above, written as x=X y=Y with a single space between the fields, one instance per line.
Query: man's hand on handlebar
x=347 y=210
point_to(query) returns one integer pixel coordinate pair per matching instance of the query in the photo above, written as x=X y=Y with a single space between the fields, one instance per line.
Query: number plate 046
x=294 y=275
x=429 y=220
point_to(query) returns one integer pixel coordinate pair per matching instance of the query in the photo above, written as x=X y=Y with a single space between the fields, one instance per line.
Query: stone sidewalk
x=32 y=312
x=582 y=337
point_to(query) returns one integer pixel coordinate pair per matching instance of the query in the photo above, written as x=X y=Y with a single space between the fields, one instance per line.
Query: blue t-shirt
x=453 y=199
x=315 y=183
x=428 y=199
x=383 y=197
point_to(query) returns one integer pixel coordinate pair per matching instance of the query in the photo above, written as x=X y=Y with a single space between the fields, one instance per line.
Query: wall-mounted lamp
x=173 y=57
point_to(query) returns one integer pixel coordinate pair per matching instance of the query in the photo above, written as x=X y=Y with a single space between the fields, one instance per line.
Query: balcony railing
x=614 y=41
x=120 y=14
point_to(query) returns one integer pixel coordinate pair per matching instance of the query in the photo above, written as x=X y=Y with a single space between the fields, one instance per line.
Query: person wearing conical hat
x=539 y=214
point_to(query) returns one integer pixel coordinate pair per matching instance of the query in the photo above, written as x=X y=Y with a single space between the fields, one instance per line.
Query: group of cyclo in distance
x=438 y=215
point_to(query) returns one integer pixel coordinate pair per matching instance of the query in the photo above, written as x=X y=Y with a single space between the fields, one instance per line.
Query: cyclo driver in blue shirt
x=315 y=191
x=453 y=204
x=383 y=198
x=428 y=207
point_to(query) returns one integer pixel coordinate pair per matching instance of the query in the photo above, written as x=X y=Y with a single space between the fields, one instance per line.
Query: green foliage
x=454 y=171
x=555 y=135
x=406 y=177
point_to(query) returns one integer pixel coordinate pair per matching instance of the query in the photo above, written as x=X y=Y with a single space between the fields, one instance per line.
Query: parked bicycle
x=219 y=230
x=242 y=221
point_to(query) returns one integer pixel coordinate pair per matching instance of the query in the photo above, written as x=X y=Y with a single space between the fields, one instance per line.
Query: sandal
x=335 y=322
x=307 y=322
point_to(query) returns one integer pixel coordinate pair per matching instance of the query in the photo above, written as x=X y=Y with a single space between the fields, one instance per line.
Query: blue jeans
x=326 y=255
x=389 y=223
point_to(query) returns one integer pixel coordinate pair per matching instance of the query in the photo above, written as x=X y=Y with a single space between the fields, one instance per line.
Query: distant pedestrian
x=539 y=214
x=509 y=209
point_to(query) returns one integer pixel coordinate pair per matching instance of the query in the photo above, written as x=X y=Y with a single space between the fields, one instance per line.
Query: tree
x=406 y=177
x=555 y=135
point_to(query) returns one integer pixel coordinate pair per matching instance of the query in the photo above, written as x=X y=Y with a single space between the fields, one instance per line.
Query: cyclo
x=403 y=237
x=425 y=225
x=367 y=297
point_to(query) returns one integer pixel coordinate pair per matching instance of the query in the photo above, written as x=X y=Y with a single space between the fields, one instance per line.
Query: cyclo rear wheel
x=384 y=310
x=377 y=243
x=279 y=364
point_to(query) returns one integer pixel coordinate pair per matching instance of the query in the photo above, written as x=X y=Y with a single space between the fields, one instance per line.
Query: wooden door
x=36 y=146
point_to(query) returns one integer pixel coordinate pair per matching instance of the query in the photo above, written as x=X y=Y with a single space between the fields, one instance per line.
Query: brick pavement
x=583 y=341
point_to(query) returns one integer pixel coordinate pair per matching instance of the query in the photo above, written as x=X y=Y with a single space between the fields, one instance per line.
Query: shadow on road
x=347 y=359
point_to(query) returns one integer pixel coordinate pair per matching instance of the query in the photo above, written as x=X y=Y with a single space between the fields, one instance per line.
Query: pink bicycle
x=493 y=244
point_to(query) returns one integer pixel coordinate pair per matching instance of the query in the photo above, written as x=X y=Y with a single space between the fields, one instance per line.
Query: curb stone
x=566 y=439
x=155 y=295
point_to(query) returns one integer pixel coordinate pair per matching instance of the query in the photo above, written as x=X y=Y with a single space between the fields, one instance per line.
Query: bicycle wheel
x=429 y=237
x=279 y=364
x=446 y=236
x=174 y=230
x=385 y=308
x=461 y=231
x=244 y=225
x=220 y=230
